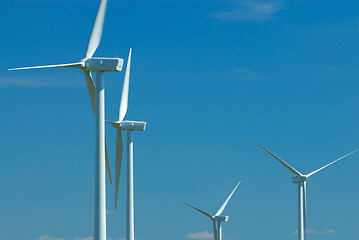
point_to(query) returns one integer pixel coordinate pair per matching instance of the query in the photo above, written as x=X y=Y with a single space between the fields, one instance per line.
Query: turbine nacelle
x=103 y=64
x=220 y=218
x=129 y=125
x=299 y=179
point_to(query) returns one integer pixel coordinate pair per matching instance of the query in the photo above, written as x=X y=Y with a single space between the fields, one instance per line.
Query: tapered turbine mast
x=129 y=126
x=217 y=219
x=97 y=97
x=301 y=179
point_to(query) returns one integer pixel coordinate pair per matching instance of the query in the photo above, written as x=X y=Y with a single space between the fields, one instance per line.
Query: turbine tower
x=97 y=97
x=301 y=179
x=217 y=218
x=129 y=126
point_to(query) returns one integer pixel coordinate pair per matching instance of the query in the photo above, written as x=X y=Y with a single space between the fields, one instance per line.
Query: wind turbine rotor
x=89 y=64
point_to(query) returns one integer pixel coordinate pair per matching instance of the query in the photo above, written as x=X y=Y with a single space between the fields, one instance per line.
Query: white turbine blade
x=290 y=168
x=66 y=65
x=215 y=233
x=119 y=150
x=125 y=89
x=226 y=202
x=91 y=91
x=107 y=163
x=314 y=172
x=96 y=33
x=207 y=214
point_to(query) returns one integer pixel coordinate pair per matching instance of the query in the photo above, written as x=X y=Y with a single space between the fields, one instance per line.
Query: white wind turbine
x=217 y=218
x=129 y=126
x=301 y=179
x=97 y=97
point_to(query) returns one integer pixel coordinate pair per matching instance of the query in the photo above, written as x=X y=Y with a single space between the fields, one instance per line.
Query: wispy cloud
x=200 y=235
x=109 y=212
x=329 y=231
x=309 y=231
x=48 y=237
x=330 y=29
x=40 y=82
x=250 y=10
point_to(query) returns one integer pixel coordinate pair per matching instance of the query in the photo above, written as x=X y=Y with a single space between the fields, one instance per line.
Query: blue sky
x=206 y=76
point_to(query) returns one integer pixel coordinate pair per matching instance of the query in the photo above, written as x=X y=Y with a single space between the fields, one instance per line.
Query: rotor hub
x=298 y=179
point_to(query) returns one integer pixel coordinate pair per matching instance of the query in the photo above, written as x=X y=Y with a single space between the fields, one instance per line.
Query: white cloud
x=309 y=231
x=200 y=235
x=109 y=212
x=48 y=237
x=125 y=239
x=39 y=82
x=329 y=231
x=251 y=10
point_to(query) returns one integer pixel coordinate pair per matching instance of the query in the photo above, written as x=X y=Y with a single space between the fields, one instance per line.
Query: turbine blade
x=125 y=89
x=119 y=150
x=91 y=91
x=207 y=214
x=215 y=234
x=96 y=33
x=314 y=172
x=290 y=168
x=107 y=163
x=226 y=202
x=66 y=65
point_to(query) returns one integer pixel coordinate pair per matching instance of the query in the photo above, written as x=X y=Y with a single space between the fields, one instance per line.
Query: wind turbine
x=301 y=179
x=97 y=97
x=129 y=126
x=217 y=218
